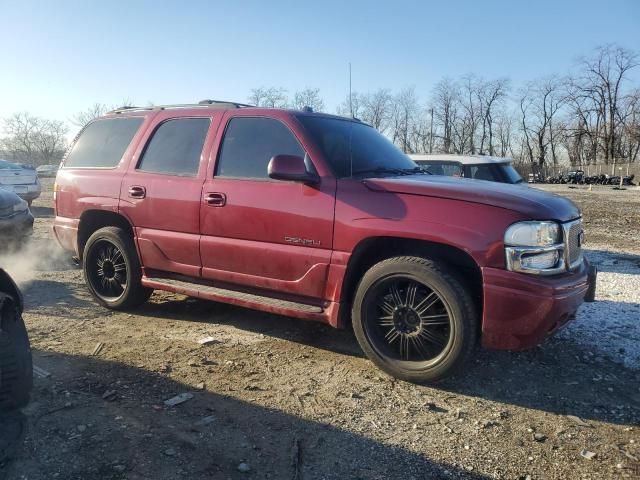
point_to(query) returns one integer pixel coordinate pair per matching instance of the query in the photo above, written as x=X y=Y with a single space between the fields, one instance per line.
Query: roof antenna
x=350 y=96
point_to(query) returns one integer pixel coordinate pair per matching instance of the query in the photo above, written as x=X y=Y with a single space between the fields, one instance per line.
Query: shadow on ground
x=559 y=376
x=74 y=433
x=614 y=262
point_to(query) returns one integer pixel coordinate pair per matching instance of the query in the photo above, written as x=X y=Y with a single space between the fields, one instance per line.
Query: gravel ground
x=277 y=398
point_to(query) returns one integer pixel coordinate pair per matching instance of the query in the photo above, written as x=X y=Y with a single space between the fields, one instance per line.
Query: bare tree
x=352 y=105
x=376 y=108
x=309 y=97
x=273 y=97
x=96 y=110
x=34 y=140
x=444 y=102
x=539 y=106
x=404 y=114
x=490 y=96
x=600 y=85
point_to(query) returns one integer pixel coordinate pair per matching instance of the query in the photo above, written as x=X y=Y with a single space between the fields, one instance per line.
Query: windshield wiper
x=415 y=170
x=388 y=170
x=380 y=171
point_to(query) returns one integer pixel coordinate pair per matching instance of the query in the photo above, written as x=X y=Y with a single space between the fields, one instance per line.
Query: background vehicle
x=317 y=217
x=16 y=220
x=478 y=167
x=47 y=170
x=20 y=180
x=16 y=375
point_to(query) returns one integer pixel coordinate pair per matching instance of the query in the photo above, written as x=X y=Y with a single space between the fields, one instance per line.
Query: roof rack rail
x=224 y=102
x=201 y=104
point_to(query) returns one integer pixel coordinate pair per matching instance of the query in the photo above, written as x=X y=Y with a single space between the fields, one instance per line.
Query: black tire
x=16 y=369
x=429 y=312
x=112 y=270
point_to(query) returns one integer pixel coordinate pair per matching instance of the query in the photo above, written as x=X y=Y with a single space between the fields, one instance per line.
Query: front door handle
x=215 y=199
x=136 y=191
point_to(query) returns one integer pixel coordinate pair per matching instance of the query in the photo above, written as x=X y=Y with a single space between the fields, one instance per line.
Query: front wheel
x=414 y=319
x=112 y=270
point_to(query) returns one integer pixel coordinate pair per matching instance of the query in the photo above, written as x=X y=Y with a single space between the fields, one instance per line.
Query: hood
x=7 y=198
x=531 y=202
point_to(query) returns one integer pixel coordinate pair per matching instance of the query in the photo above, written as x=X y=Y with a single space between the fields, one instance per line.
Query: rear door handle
x=136 y=191
x=215 y=199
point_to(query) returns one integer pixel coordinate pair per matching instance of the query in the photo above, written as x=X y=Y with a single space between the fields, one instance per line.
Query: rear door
x=162 y=189
x=263 y=233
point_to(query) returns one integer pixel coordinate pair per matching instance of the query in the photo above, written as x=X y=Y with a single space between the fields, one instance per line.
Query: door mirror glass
x=291 y=167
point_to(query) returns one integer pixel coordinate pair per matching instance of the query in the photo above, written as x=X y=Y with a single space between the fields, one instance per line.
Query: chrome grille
x=573 y=232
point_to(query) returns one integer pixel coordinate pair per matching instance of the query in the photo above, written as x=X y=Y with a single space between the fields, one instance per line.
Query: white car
x=478 y=167
x=21 y=180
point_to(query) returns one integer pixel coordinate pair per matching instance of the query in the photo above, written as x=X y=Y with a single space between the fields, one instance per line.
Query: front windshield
x=353 y=147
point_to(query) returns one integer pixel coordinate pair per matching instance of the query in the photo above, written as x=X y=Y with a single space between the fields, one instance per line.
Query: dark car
x=16 y=220
x=16 y=369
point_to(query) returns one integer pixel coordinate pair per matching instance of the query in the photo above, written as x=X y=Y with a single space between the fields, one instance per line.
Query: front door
x=263 y=233
x=162 y=189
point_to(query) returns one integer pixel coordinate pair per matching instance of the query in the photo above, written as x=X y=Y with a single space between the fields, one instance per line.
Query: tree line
x=591 y=116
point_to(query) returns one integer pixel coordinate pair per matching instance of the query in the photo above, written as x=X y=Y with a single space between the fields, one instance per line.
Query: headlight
x=533 y=234
x=535 y=247
x=21 y=206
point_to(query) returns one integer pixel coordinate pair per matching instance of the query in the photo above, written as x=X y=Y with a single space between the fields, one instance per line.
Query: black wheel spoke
x=407 y=320
x=107 y=270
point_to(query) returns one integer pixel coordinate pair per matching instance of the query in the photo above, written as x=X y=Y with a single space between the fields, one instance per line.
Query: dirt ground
x=278 y=398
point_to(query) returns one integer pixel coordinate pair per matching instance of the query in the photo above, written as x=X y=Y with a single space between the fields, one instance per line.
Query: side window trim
x=228 y=121
x=151 y=135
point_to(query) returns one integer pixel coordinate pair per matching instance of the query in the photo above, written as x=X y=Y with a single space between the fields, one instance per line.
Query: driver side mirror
x=292 y=168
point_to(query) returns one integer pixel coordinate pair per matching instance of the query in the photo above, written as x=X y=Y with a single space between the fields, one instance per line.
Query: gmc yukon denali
x=321 y=218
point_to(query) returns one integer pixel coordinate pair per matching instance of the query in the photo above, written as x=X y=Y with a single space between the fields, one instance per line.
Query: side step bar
x=249 y=300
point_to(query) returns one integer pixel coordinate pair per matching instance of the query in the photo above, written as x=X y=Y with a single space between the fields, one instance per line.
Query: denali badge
x=302 y=241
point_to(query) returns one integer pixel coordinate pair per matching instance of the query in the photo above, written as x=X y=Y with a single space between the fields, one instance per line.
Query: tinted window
x=103 y=142
x=351 y=146
x=249 y=144
x=175 y=147
x=450 y=169
x=482 y=172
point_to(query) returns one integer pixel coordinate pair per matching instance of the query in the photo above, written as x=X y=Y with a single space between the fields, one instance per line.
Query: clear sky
x=59 y=57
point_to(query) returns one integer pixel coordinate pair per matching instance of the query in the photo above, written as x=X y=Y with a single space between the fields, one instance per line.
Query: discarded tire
x=16 y=370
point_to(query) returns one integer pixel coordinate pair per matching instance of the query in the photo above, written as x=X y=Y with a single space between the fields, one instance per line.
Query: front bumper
x=521 y=310
x=19 y=225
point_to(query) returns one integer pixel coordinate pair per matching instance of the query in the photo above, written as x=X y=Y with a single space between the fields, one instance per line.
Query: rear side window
x=482 y=172
x=249 y=143
x=103 y=142
x=175 y=147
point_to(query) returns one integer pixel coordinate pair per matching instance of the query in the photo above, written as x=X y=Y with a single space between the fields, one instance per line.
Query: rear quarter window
x=103 y=142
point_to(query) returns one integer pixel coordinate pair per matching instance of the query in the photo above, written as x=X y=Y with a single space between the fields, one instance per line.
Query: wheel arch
x=375 y=249
x=93 y=220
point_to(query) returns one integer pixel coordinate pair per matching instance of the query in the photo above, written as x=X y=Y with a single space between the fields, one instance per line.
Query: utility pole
x=431 y=134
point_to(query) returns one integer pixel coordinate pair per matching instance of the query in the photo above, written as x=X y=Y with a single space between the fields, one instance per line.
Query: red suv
x=317 y=217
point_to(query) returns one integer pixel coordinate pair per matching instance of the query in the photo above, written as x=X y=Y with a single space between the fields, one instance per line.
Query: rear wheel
x=414 y=319
x=112 y=270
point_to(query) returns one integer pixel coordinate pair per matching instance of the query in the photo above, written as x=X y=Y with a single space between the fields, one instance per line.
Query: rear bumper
x=520 y=310
x=66 y=232
x=20 y=225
